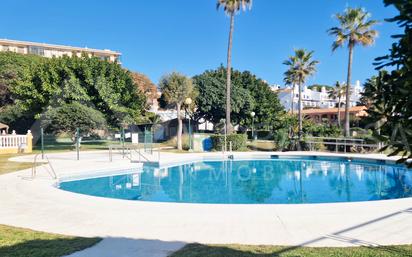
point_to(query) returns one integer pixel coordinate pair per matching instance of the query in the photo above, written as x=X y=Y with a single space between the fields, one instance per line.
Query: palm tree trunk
x=347 y=106
x=179 y=127
x=292 y=98
x=339 y=111
x=229 y=74
x=300 y=112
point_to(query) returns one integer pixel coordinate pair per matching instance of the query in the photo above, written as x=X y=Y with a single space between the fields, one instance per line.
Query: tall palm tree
x=337 y=93
x=231 y=8
x=300 y=67
x=354 y=29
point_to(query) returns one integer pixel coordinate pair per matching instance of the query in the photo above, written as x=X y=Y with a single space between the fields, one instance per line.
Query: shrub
x=68 y=117
x=238 y=141
x=281 y=139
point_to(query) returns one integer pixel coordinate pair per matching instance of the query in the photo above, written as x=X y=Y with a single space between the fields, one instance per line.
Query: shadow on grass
x=198 y=250
x=53 y=247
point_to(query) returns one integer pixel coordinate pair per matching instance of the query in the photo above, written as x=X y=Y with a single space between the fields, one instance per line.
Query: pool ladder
x=50 y=171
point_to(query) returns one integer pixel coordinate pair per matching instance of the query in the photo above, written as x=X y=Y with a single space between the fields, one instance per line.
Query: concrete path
x=132 y=228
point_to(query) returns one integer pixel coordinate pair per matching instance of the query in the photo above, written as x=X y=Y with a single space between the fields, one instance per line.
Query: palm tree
x=337 y=93
x=301 y=66
x=231 y=7
x=354 y=29
x=176 y=88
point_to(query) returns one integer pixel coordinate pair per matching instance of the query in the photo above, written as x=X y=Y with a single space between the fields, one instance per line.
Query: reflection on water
x=259 y=181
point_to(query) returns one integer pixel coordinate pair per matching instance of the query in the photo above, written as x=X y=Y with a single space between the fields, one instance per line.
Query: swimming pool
x=266 y=181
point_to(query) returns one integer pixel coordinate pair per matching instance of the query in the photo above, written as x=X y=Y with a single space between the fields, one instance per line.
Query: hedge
x=238 y=141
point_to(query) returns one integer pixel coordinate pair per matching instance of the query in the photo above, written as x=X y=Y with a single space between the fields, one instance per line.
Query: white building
x=50 y=51
x=313 y=98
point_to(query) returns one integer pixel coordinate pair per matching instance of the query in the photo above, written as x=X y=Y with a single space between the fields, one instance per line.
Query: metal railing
x=339 y=142
x=50 y=171
x=127 y=152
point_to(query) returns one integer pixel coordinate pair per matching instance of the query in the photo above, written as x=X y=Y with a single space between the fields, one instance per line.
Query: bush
x=281 y=139
x=238 y=141
x=68 y=117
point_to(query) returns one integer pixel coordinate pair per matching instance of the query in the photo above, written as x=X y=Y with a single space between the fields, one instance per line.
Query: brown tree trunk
x=292 y=99
x=339 y=111
x=347 y=106
x=179 y=127
x=300 y=112
x=229 y=74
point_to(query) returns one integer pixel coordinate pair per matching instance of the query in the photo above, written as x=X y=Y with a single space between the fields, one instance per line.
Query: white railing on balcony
x=13 y=141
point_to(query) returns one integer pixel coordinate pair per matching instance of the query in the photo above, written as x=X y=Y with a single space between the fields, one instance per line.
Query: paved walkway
x=131 y=228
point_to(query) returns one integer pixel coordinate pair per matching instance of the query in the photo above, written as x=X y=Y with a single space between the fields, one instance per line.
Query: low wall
x=13 y=143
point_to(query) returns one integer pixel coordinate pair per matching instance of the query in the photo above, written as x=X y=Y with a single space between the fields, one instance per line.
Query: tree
x=389 y=93
x=300 y=67
x=250 y=93
x=66 y=118
x=267 y=106
x=231 y=8
x=145 y=85
x=211 y=101
x=354 y=29
x=34 y=83
x=337 y=93
x=176 y=88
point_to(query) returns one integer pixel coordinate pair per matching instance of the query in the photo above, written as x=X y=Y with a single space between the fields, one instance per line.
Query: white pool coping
x=158 y=228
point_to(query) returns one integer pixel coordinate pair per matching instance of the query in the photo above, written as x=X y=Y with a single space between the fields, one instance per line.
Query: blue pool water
x=269 y=181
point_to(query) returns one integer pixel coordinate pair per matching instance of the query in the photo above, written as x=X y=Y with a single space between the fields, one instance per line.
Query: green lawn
x=19 y=242
x=7 y=166
x=197 y=250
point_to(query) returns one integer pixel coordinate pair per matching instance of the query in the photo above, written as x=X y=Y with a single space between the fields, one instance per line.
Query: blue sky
x=190 y=36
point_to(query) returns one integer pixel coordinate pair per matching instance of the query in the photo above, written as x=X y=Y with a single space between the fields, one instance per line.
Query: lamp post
x=252 y=114
x=188 y=102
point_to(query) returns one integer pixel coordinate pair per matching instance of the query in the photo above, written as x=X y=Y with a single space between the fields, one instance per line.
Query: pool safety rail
x=50 y=170
x=342 y=143
x=144 y=154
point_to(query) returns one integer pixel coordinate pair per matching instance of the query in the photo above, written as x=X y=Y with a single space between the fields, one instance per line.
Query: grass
x=198 y=250
x=261 y=145
x=18 y=242
x=7 y=166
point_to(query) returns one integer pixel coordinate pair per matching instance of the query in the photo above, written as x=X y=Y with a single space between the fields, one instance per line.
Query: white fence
x=13 y=141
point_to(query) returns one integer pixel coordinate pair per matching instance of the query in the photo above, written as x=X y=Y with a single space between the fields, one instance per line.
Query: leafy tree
x=40 y=82
x=300 y=67
x=337 y=93
x=210 y=102
x=231 y=8
x=354 y=29
x=389 y=93
x=176 y=88
x=145 y=85
x=14 y=69
x=249 y=94
x=267 y=106
x=68 y=117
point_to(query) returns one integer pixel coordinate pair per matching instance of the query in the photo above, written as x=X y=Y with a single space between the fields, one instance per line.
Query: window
x=6 y=48
x=37 y=50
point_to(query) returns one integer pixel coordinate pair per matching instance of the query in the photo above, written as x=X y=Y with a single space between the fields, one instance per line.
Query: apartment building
x=50 y=51
x=313 y=98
